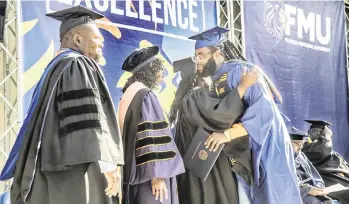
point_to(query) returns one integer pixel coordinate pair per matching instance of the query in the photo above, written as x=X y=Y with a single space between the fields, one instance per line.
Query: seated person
x=330 y=164
x=310 y=182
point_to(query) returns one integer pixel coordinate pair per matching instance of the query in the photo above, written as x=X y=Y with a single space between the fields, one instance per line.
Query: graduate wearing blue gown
x=275 y=178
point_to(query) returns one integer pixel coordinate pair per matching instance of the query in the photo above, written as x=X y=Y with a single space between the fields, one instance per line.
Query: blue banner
x=301 y=46
x=129 y=24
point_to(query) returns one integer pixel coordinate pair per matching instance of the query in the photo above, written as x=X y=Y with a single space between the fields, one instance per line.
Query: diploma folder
x=198 y=159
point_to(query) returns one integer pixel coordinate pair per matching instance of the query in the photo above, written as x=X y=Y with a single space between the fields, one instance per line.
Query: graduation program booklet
x=198 y=159
x=335 y=188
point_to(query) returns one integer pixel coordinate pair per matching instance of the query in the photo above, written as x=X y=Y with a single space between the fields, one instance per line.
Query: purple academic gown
x=275 y=178
x=156 y=155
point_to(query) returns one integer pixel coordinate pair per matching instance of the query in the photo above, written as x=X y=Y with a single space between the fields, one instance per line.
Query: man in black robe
x=70 y=143
x=197 y=107
x=311 y=185
x=330 y=164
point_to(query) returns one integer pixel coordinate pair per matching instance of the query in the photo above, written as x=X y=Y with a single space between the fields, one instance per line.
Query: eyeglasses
x=200 y=57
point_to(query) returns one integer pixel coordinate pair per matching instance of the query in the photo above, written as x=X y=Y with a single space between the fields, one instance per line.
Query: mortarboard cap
x=298 y=135
x=211 y=37
x=318 y=123
x=186 y=66
x=140 y=58
x=74 y=16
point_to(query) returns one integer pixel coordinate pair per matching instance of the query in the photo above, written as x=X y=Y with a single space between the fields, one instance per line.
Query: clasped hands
x=113 y=178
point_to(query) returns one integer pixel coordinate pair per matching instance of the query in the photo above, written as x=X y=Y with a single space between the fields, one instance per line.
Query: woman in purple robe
x=152 y=161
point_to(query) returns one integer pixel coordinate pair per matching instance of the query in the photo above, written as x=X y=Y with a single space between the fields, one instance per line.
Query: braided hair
x=230 y=51
x=188 y=83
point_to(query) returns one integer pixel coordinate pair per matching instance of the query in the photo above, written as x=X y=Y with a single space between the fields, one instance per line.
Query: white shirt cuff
x=106 y=166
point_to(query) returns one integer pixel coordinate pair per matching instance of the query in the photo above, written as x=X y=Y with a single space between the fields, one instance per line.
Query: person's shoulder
x=302 y=156
x=85 y=59
x=150 y=95
x=233 y=65
x=75 y=56
x=238 y=65
x=76 y=66
x=197 y=92
x=235 y=62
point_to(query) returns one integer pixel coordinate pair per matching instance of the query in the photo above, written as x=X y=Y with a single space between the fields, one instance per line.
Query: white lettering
x=182 y=22
x=290 y=19
x=77 y=2
x=307 y=23
x=48 y=7
x=69 y=2
x=142 y=15
x=87 y=3
x=323 y=39
x=177 y=13
x=291 y=41
x=307 y=45
x=114 y=9
x=310 y=25
x=170 y=10
x=156 y=5
x=192 y=15
x=130 y=13
x=320 y=48
x=102 y=7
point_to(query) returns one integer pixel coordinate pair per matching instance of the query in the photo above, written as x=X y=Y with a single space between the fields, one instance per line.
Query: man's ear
x=217 y=54
x=77 y=40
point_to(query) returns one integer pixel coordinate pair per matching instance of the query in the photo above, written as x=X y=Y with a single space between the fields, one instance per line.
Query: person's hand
x=159 y=188
x=316 y=191
x=248 y=78
x=215 y=140
x=238 y=125
x=113 y=179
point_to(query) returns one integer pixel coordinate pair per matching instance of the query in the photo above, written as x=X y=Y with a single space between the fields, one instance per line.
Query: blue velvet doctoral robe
x=275 y=178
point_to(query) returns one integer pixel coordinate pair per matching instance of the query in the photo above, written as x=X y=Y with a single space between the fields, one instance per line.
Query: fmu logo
x=297 y=26
x=275 y=18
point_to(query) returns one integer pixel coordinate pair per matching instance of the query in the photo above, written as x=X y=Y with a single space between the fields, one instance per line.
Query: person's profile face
x=202 y=56
x=297 y=146
x=93 y=42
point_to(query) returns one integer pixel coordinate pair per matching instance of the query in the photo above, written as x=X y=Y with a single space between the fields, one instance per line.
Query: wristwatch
x=227 y=134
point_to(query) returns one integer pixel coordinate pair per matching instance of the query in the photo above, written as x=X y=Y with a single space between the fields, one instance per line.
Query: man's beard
x=95 y=56
x=209 y=68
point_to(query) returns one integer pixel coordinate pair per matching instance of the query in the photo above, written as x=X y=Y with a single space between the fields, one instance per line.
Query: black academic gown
x=331 y=165
x=73 y=127
x=309 y=177
x=198 y=108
